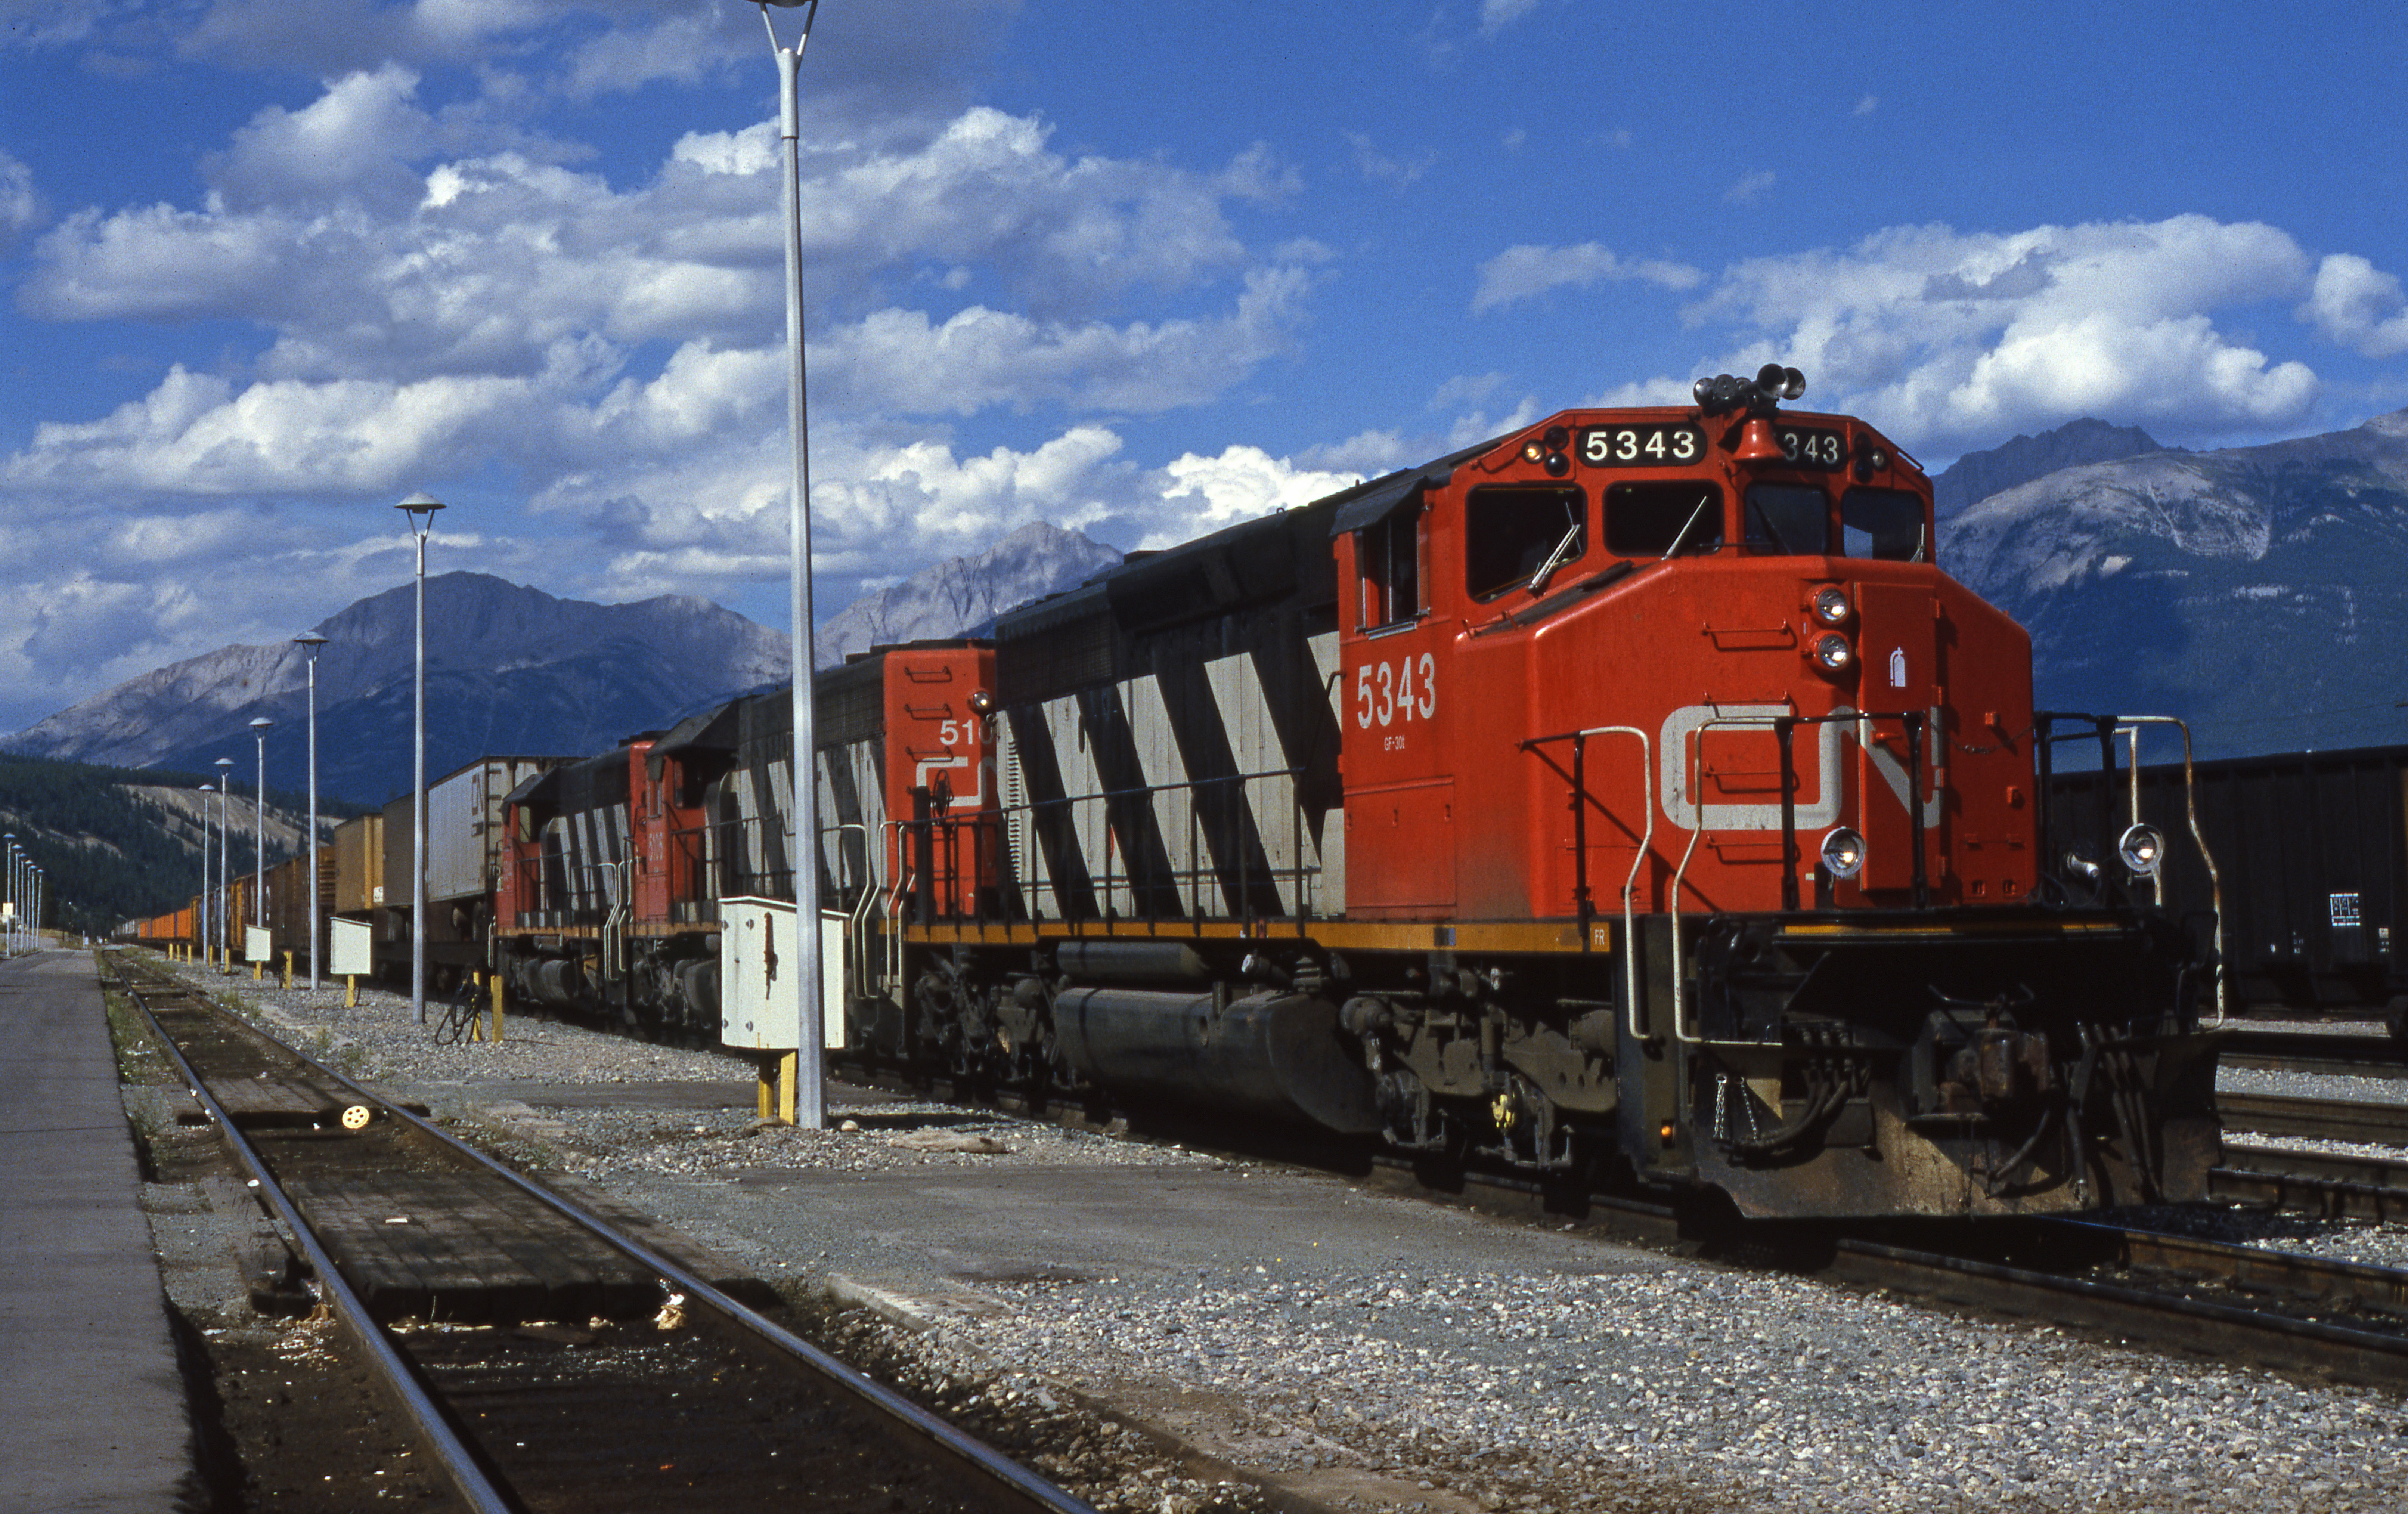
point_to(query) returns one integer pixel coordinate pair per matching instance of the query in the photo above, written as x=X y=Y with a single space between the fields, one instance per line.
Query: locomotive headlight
x=1833 y=654
x=1843 y=852
x=981 y=703
x=1831 y=605
x=1532 y=452
x=2142 y=848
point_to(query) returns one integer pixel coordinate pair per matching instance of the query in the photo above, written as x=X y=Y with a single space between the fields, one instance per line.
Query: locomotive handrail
x=1781 y=726
x=1140 y=879
x=1580 y=848
x=2190 y=808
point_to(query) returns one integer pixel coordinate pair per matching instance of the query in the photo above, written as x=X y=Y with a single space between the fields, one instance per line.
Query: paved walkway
x=93 y=1414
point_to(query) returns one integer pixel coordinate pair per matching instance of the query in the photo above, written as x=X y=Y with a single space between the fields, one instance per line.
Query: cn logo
x=1897 y=667
x=1681 y=773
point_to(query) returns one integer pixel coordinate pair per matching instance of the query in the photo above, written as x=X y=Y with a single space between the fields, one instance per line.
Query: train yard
x=1163 y=1356
x=1625 y=824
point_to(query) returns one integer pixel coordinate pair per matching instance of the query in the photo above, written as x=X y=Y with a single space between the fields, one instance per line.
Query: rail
x=460 y=1466
x=993 y=1474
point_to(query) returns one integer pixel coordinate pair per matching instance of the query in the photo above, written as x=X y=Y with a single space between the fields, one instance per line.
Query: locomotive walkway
x=93 y=1412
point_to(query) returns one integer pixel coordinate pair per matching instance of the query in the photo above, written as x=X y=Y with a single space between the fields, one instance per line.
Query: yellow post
x=288 y=970
x=259 y=971
x=497 y=1006
x=476 y=1022
x=774 y=1098
x=350 y=991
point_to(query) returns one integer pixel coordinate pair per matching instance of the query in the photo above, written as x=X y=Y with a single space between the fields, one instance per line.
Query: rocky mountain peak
x=1978 y=475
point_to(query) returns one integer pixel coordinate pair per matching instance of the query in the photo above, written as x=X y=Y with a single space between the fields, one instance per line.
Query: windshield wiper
x=1703 y=501
x=1554 y=560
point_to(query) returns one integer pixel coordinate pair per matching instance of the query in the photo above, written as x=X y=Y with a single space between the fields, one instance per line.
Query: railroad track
x=2247 y=1306
x=630 y=1382
x=2320 y=1120
x=2329 y=1187
x=2316 y=1053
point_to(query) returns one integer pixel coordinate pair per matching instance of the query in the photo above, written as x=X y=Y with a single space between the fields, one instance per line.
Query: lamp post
x=310 y=642
x=414 y=507
x=259 y=828
x=225 y=845
x=201 y=903
x=9 y=948
x=34 y=926
x=810 y=1099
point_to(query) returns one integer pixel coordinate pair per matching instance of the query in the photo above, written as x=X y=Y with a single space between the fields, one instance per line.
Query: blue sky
x=1139 y=269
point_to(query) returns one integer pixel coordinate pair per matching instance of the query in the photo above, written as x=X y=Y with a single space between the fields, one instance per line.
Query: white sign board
x=255 y=947
x=759 y=966
x=353 y=950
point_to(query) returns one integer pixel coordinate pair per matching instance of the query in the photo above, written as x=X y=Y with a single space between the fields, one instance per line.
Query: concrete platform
x=92 y=1410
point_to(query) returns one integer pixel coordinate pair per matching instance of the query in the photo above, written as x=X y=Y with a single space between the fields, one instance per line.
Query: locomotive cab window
x=1653 y=520
x=1513 y=533
x=1884 y=523
x=1387 y=559
x=1789 y=520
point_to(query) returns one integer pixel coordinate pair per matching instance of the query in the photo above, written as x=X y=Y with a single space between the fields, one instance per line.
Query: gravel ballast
x=1358 y=1348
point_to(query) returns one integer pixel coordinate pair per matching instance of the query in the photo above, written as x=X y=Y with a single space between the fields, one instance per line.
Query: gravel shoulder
x=1355 y=1349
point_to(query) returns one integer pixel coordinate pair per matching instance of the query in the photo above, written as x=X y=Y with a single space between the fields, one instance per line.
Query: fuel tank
x=1271 y=1055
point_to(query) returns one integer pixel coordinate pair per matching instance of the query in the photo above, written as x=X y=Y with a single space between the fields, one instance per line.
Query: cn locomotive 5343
x=1631 y=797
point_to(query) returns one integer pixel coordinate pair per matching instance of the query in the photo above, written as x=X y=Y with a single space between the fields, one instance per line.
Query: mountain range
x=2260 y=592
x=510 y=670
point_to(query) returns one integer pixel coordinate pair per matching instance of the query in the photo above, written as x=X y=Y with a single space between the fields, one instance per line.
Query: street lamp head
x=261 y=723
x=420 y=504
x=225 y=762
x=310 y=642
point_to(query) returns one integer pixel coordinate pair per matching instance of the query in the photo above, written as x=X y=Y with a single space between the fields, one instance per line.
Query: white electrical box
x=352 y=945
x=760 y=963
x=255 y=944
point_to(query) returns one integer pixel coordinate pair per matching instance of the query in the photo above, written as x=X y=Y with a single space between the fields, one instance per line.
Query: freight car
x=2307 y=854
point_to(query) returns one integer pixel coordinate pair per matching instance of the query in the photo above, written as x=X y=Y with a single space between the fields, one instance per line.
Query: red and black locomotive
x=1632 y=797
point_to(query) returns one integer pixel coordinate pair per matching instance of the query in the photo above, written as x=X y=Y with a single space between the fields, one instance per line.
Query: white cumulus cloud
x=1963 y=338
x=2358 y=305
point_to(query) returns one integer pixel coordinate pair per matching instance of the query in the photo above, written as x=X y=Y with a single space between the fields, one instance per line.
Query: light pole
x=201 y=904
x=259 y=828
x=33 y=940
x=413 y=507
x=810 y=1100
x=310 y=642
x=225 y=845
x=10 y=949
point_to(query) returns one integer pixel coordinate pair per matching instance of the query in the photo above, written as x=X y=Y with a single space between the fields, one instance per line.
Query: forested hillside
x=116 y=844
